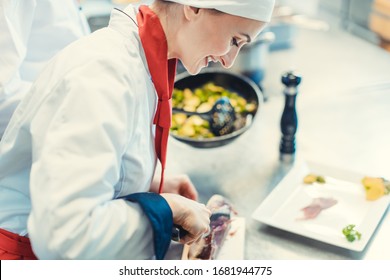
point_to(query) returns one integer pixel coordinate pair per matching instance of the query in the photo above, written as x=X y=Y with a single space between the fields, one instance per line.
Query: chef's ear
x=190 y=12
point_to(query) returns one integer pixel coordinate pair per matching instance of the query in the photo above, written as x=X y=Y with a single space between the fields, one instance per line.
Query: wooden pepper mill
x=289 y=121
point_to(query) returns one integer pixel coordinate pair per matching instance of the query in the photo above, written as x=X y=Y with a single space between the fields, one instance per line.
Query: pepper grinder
x=289 y=121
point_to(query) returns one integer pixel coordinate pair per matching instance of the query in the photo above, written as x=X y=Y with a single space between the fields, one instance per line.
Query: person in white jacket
x=78 y=157
x=32 y=32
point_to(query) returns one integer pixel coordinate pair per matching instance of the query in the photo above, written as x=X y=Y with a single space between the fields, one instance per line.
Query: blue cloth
x=159 y=213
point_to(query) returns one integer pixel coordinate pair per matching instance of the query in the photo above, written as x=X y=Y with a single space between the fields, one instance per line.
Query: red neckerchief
x=163 y=73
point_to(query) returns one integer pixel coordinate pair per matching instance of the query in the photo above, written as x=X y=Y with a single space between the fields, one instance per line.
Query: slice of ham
x=315 y=208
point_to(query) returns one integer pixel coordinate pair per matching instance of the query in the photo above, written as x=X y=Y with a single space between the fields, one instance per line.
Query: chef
x=32 y=31
x=78 y=157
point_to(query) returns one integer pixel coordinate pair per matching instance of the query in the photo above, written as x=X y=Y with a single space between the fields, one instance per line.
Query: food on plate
x=220 y=220
x=316 y=206
x=201 y=100
x=351 y=234
x=375 y=187
x=311 y=178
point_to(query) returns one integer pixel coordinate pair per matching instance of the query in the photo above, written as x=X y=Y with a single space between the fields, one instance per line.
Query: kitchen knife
x=178 y=232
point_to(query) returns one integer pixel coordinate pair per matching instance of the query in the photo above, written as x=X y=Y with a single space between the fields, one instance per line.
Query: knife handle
x=178 y=232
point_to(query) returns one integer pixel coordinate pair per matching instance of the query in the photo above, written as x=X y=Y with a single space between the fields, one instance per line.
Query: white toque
x=253 y=9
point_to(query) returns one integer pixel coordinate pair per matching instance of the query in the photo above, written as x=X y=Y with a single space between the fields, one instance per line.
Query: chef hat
x=253 y=9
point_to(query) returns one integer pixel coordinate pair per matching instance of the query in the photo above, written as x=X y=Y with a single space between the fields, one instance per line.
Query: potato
x=374 y=187
x=187 y=130
x=195 y=120
x=310 y=179
x=204 y=107
x=178 y=119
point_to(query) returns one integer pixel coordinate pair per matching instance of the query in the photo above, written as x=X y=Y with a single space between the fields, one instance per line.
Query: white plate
x=282 y=208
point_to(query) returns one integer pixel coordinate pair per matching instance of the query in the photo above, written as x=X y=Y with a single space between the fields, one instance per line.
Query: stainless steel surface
x=344 y=121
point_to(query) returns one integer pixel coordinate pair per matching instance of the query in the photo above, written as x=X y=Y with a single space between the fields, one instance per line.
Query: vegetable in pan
x=201 y=100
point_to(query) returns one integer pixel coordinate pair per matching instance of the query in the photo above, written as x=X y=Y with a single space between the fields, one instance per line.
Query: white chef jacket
x=81 y=137
x=32 y=31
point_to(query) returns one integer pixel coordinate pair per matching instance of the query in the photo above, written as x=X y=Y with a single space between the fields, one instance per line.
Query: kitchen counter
x=343 y=108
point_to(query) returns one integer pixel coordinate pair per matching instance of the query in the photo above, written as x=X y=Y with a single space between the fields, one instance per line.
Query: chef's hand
x=192 y=216
x=179 y=184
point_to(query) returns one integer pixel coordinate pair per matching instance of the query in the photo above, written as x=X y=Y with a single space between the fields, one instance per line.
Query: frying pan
x=238 y=83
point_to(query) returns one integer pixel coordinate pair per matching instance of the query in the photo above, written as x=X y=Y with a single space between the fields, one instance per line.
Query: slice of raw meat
x=315 y=208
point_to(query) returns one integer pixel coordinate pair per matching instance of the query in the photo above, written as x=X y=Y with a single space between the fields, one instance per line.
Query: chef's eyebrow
x=248 y=38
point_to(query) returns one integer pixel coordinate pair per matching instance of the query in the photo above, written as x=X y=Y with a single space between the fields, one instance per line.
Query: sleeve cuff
x=159 y=213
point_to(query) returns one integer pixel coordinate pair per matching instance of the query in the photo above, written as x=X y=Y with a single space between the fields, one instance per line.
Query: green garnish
x=321 y=179
x=387 y=186
x=351 y=234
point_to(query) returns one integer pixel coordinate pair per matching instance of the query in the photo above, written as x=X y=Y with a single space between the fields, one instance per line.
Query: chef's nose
x=227 y=60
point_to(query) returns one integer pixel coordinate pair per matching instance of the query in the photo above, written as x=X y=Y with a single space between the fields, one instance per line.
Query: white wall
x=307 y=7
